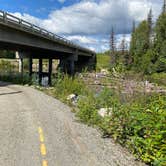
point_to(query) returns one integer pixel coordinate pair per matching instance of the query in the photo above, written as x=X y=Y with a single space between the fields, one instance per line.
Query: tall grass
x=65 y=85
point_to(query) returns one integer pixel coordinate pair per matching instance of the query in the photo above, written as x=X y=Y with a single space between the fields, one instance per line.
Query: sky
x=85 y=22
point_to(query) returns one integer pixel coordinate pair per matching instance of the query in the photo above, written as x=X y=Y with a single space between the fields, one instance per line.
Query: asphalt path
x=38 y=130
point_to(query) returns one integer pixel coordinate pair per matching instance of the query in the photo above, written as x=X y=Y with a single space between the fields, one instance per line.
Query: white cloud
x=95 y=17
x=82 y=39
x=90 y=17
x=97 y=43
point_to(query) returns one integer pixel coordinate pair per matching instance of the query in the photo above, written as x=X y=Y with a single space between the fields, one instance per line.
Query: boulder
x=105 y=112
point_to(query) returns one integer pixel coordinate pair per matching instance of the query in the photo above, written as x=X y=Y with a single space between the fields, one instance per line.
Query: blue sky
x=39 y=8
x=86 y=22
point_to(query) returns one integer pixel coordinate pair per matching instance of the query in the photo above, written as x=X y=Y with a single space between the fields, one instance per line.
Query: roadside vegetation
x=128 y=84
x=139 y=123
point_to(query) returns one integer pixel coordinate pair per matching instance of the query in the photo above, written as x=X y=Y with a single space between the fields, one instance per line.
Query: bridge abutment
x=67 y=64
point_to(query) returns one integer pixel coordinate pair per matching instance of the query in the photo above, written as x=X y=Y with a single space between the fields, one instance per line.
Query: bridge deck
x=17 y=23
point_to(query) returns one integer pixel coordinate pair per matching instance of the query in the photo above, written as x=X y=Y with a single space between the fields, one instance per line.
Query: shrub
x=6 y=66
x=66 y=85
x=139 y=125
x=88 y=113
x=16 y=78
x=159 y=78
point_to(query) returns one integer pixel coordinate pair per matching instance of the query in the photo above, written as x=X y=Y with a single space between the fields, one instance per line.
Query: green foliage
x=140 y=46
x=16 y=78
x=6 y=66
x=8 y=74
x=139 y=125
x=7 y=54
x=160 y=44
x=148 y=53
x=66 y=85
x=103 y=60
x=147 y=126
x=158 y=78
x=88 y=113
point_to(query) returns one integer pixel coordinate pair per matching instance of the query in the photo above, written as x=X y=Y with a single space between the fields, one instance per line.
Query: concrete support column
x=40 y=70
x=71 y=67
x=20 y=65
x=61 y=65
x=30 y=66
x=49 y=71
x=19 y=56
x=67 y=64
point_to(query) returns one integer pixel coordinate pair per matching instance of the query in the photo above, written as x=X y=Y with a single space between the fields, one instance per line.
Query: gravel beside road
x=67 y=142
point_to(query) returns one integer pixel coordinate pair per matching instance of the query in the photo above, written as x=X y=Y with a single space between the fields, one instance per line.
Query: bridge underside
x=32 y=46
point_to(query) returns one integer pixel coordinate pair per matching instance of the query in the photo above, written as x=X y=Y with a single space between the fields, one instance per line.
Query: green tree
x=139 y=45
x=159 y=58
x=7 y=54
x=112 y=48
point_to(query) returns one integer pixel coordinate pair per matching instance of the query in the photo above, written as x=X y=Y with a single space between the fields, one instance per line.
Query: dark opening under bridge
x=33 y=42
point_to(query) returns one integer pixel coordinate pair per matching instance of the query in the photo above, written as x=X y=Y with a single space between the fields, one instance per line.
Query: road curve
x=38 y=130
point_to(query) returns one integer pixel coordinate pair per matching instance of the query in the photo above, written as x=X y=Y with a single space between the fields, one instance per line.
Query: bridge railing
x=9 y=18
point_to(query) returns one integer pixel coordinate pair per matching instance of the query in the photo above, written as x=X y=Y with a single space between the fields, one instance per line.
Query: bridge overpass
x=33 y=42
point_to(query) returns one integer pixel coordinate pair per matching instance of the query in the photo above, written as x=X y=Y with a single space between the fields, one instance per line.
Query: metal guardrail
x=9 y=18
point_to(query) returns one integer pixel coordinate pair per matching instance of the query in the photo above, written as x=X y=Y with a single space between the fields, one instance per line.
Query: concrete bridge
x=33 y=42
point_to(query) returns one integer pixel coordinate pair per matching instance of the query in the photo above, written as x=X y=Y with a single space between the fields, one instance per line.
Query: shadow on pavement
x=5 y=83
x=11 y=93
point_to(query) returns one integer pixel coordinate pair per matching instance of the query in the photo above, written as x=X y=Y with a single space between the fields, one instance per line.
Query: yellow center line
x=41 y=136
x=42 y=145
x=43 y=149
x=44 y=163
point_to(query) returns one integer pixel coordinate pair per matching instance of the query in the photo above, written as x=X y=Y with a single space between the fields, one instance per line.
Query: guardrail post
x=4 y=16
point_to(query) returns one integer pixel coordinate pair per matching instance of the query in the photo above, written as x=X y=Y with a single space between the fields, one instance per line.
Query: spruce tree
x=133 y=28
x=112 y=47
x=164 y=7
x=160 y=43
x=150 y=26
x=139 y=45
x=132 y=43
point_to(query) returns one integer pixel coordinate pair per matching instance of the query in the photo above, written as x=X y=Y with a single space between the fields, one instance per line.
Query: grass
x=158 y=78
x=103 y=61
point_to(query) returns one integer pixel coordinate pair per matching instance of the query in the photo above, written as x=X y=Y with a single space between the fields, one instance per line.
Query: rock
x=104 y=71
x=72 y=97
x=105 y=112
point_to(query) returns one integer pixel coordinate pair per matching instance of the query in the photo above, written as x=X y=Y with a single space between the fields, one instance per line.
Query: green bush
x=5 y=66
x=139 y=125
x=88 y=113
x=16 y=78
x=142 y=126
x=66 y=85
x=159 y=78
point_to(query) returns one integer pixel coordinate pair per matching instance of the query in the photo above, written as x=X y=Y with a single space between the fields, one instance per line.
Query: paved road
x=38 y=130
